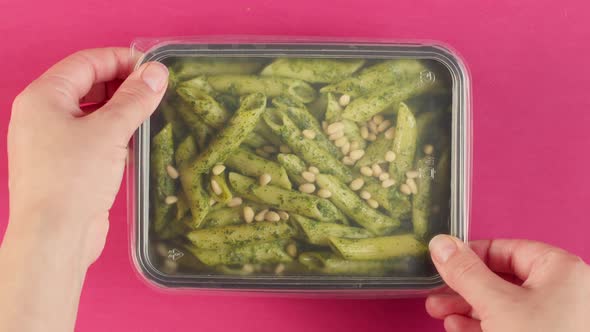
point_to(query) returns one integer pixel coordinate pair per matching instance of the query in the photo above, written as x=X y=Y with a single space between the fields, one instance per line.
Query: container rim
x=138 y=166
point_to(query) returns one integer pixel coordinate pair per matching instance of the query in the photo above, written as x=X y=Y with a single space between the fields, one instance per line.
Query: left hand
x=65 y=169
x=65 y=165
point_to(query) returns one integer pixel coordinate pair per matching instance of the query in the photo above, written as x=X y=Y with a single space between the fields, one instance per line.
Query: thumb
x=135 y=100
x=467 y=274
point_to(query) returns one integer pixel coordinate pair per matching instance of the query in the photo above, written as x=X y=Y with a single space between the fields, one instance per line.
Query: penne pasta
x=299 y=166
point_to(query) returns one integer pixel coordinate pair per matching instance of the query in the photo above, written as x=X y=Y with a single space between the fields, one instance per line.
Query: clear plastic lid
x=300 y=166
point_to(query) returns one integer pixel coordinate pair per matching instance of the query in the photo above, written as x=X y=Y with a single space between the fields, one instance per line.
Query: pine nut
x=284 y=215
x=344 y=100
x=373 y=203
x=355 y=145
x=372 y=137
x=162 y=250
x=280 y=268
x=364 y=132
x=269 y=149
x=212 y=202
x=334 y=128
x=272 y=216
x=390 y=156
x=307 y=188
x=260 y=216
x=357 y=184
x=324 y=193
x=336 y=135
x=405 y=189
x=248 y=214
x=366 y=171
x=308 y=176
x=170 y=267
x=169 y=200
x=341 y=141
x=390 y=133
x=377 y=169
x=265 y=179
x=373 y=126
x=345 y=148
x=347 y=161
x=365 y=195
x=292 y=249
x=378 y=119
x=357 y=154
x=308 y=133
x=236 y=201
x=384 y=176
x=172 y=172
x=384 y=125
x=218 y=169
x=284 y=149
x=216 y=188
x=413 y=186
x=314 y=169
x=387 y=183
x=428 y=149
x=412 y=174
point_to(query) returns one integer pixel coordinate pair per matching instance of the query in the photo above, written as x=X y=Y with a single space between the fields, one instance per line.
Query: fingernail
x=442 y=247
x=155 y=75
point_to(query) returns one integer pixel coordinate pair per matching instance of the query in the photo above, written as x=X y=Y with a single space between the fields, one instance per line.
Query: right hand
x=550 y=289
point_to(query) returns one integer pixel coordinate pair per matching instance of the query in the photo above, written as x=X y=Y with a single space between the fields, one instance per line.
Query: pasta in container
x=300 y=166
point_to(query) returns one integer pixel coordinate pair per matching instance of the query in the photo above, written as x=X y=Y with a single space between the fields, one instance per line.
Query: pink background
x=531 y=123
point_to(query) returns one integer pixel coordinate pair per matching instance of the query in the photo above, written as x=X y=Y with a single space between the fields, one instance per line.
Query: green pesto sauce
x=220 y=111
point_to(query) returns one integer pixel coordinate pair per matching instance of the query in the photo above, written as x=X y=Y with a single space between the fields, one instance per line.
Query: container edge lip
x=147 y=45
x=148 y=42
x=230 y=283
x=447 y=53
x=138 y=257
x=146 y=273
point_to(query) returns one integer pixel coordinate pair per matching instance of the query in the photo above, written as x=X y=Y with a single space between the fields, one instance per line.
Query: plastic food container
x=300 y=166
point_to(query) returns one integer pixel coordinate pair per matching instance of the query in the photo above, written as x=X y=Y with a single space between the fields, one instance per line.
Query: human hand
x=550 y=288
x=65 y=165
x=65 y=168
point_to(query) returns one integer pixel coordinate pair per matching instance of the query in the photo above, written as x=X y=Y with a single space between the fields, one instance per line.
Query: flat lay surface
x=530 y=101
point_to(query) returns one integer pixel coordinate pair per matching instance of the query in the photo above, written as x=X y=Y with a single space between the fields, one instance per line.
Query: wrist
x=43 y=263
x=40 y=279
x=46 y=214
x=46 y=233
x=36 y=244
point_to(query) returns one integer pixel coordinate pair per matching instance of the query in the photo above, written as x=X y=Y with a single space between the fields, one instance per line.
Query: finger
x=458 y=323
x=442 y=305
x=100 y=93
x=467 y=274
x=134 y=101
x=511 y=278
x=97 y=94
x=72 y=78
x=514 y=256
